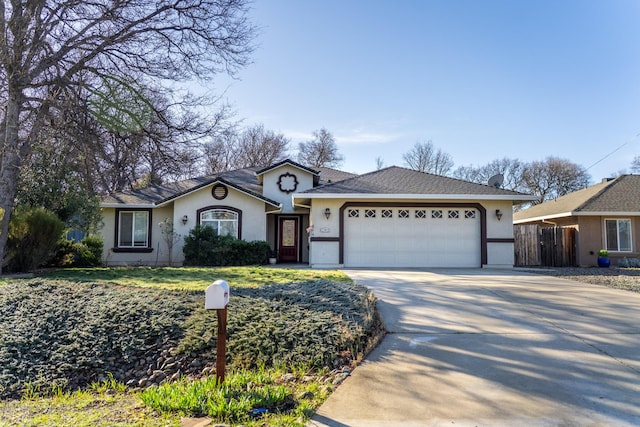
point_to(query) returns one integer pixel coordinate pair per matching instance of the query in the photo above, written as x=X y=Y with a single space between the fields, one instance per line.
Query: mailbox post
x=216 y=297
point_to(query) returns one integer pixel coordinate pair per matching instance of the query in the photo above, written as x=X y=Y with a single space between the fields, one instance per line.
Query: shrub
x=91 y=253
x=629 y=263
x=86 y=253
x=202 y=247
x=33 y=239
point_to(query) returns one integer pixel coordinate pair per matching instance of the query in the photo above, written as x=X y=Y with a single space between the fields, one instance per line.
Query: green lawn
x=194 y=278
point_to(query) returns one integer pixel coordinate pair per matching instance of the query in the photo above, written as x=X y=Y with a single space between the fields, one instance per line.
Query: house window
x=133 y=229
x=436 y=214
x=618 y=234
x=421 y=213
x=454 y=214
x=470 y=214
x=354 y=213
x=224 y=222
x=403 y=213
x=369 y=213
x=386 y=213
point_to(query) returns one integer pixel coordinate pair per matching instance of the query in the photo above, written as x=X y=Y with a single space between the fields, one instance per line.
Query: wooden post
x=221 y=348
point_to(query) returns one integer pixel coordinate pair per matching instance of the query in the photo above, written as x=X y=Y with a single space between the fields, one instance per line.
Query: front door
x=288 y=246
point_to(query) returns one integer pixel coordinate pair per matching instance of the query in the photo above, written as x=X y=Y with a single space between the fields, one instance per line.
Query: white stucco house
x=393 y=217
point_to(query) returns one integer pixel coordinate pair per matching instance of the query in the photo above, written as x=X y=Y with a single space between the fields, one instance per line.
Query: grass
x=194 y=278
x=252 y=398
x=282 y=300
x=102 y=404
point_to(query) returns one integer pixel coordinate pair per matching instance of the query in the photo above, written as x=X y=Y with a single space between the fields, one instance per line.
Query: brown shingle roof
x=397 y=180
x=242 y=179
x=620 y=195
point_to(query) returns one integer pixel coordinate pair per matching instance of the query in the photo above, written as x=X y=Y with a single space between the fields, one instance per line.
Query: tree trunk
x=10 y=162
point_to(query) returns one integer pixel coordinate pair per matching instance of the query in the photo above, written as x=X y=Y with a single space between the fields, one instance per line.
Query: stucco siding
x=159 y=254
x=253 y=219
x=272 y=190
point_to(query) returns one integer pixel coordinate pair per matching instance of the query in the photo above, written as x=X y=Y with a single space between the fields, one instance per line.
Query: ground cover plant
x=71 y=329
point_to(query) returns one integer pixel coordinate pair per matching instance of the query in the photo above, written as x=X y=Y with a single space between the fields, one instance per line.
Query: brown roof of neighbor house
x=397 y=180
x=619 y=195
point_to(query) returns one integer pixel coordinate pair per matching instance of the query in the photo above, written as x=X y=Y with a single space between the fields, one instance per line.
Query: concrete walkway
x=491 y=348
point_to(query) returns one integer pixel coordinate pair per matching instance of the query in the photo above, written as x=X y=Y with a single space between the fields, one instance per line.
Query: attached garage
x=401 y=218
x=412 y=236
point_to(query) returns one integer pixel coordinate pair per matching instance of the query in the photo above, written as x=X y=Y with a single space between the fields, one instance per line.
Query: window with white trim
x=133 y=229
x=618 y=234
x=224 y=222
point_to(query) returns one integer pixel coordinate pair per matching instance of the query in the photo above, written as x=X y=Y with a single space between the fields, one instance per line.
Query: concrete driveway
x=492 y=348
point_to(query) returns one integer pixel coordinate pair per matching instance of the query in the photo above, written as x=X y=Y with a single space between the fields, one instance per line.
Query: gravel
x=613 y=277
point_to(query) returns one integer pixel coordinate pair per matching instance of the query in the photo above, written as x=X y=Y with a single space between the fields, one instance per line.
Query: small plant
x=169 y=236
x=603 y=253
x=629 y=263
x=234 y=401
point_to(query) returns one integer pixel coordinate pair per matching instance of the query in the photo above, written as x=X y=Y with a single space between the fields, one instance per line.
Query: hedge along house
x=393 y=217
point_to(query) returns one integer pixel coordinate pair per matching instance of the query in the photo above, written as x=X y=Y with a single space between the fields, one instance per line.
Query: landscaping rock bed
x=613 y=277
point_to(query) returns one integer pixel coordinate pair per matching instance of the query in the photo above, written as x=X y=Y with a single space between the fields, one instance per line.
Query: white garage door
x=411 y=237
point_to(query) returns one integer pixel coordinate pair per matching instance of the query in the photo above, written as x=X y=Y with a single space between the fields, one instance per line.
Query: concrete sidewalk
x=491 y=348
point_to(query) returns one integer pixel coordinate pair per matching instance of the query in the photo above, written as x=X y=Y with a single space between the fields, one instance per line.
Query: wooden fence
x=544 y=246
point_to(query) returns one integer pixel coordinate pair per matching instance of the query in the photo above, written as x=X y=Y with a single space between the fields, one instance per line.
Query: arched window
x=223 y=221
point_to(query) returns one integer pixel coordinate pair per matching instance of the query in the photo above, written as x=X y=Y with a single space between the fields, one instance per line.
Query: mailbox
x=217 y=295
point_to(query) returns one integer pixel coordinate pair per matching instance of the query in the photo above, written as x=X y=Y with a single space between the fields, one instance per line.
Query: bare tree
x=47 y=45
x=424 y=157
x=511 y=170
x=258 y=146
x=553 y=177
x=635 y=164
x=379 y=163
x=254 y=146
x=321 y=151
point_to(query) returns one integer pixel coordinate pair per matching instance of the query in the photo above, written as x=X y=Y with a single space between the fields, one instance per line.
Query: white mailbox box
x=217 y=295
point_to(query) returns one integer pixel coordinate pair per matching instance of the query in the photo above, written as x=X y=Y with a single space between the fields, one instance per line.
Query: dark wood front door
x=288 y=246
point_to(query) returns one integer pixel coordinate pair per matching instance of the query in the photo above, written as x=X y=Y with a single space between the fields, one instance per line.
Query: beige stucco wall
x=254 y=226
x=254 y=223
x=159 y=255
x=271 y=189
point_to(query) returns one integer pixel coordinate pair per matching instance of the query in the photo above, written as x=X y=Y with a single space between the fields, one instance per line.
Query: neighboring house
x=393 y=217
x=605 y=215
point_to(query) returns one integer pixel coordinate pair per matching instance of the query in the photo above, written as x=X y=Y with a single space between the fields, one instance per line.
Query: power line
x=617 y=149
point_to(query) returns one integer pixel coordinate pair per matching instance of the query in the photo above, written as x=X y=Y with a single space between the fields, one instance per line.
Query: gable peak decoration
x=287 y=183
x=219 y=191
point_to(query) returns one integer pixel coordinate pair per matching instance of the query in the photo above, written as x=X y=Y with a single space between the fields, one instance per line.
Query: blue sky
x=481 y=79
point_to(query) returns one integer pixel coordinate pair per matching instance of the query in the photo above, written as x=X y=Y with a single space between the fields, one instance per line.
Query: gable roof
x=619 y=196
x=287 y=162
x=399 y=182
x=243 y=180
